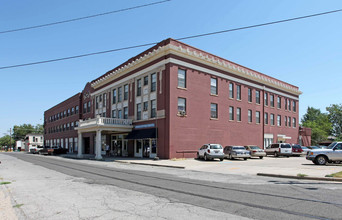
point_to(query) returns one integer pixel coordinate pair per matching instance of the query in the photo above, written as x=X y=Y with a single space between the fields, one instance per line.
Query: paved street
x=83 y=189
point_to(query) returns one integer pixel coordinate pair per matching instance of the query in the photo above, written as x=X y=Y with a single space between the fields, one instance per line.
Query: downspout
x=263 y=117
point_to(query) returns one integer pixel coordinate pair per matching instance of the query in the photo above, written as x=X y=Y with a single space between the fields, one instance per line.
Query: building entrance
x=86 y=142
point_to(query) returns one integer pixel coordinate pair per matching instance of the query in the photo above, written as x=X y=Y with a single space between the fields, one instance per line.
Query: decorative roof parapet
x=200 y=55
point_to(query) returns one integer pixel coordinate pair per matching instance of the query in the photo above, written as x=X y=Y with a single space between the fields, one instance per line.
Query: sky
x=306 y=53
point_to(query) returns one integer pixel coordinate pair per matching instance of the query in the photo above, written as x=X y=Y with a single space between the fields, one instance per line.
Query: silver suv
x=333 y=153
x=210 y=151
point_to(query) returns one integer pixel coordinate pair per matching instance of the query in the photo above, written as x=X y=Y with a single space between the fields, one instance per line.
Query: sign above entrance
x=144 y=126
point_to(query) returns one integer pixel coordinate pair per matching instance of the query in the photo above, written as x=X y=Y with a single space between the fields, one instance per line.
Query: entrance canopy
x=142 y=134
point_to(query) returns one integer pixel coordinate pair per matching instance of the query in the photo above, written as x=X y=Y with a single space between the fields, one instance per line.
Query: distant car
x=305 y=149
x=36 y=149
x=297 y=150
x=47 y=150
x=255 y=151
x=210 y=152
x=322 y=156
x=279 y=149
x=233 y=152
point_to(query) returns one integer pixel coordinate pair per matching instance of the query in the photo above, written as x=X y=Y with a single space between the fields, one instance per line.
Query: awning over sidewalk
x=142 y=134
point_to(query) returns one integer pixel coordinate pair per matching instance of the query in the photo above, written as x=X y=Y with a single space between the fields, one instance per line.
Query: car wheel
x=276 y=154
x=245 y=158
x=321 y=160
x=230 y=157
x=221 y=159
x=261 y=157
x=205 y=157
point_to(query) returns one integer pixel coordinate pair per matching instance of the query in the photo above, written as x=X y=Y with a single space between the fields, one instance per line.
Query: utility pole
x=10 y=137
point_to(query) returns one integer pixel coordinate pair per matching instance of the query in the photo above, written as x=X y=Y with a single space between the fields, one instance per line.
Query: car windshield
x=332 y=145
x=285 y=146
x=255 y=147
x=239 y=148
x=215 y=146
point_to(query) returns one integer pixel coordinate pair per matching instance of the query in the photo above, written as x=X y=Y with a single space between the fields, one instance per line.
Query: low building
x=33 y=140
x=170 y=100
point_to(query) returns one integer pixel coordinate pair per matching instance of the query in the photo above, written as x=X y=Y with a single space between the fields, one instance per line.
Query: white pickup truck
x=333 y=153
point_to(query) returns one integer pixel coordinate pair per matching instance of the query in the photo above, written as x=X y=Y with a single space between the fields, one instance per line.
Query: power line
x=81 y=18
x=182 y=38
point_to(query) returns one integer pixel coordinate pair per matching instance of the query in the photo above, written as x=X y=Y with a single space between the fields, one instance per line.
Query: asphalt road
x=276 y=199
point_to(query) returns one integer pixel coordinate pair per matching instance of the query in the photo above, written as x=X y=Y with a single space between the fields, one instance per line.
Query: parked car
x=305 y=149
x=233 y=152
x=255 y=151
x=297 y=150
x=60 y=150
x=210 y=152
x=322 y=156
x=279 y=149
x=47 y=150
x=36 y=149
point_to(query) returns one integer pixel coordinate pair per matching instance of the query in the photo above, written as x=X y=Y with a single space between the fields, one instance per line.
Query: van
x=279 y=149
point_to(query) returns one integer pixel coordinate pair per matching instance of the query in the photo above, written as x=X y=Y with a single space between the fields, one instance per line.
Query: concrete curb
x=301 y=178
x=156 y=165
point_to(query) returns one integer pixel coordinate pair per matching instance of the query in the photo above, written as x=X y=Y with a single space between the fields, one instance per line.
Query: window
x=96 y=103
x=257 y=97
x=238 y=92
x=76 y=124
x=76 y=109
x=289 y=105
x=68 y=114
x=272 y=100
x=114 y=113
x=120 y=94
x=89 y=105
x=139 y=111
x=250 y=95
x=278 y=102
x=257 y=117
x=266 y=118
x=114 y=96
x=289 y=121
x=153 y=82
x=286 y=104
x=64 y=114
x=181 y=105
x=278 y=120
x=181 y=78
x=125 y=112
x=72 y=125
x=145 y=80
x=120 y=114
x=272 y=119
x=100 y=96
x=231 y=113
x=238 y=114
x=266 y=99
x=85 y=108
x=294 y=122
x=72 y=111
x=126 y=92
x=294 y=106
x=285 y=121
x=139 y=87
x=68 y=126
x=231 y=90
x=145 y=106
x=153 y=109
x=250 y=116
x=213 y=86
x=213 y=110
x=104 y=99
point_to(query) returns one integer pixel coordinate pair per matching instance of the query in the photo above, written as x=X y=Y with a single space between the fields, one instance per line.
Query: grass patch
x=337 y=175
x=3 y=183
x=18 y=205
x=301 y=175
x=177 y=159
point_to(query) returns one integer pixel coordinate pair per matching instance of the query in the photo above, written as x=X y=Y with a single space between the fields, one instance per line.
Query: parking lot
x=269 y=165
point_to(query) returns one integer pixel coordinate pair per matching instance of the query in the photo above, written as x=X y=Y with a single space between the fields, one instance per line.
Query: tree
x=6 y=141
x=335 y=117
x=319 y=124
x=19 y=132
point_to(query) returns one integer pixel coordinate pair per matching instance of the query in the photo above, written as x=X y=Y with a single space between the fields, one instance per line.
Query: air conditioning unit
x=182 y=113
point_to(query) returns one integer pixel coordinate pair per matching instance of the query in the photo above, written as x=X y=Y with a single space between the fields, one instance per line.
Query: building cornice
x=200 y=57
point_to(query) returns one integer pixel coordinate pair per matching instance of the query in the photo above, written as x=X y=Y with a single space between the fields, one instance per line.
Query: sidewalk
x=281 y=166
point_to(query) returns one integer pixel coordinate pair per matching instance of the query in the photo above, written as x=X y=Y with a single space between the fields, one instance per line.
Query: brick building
x=170 y=100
